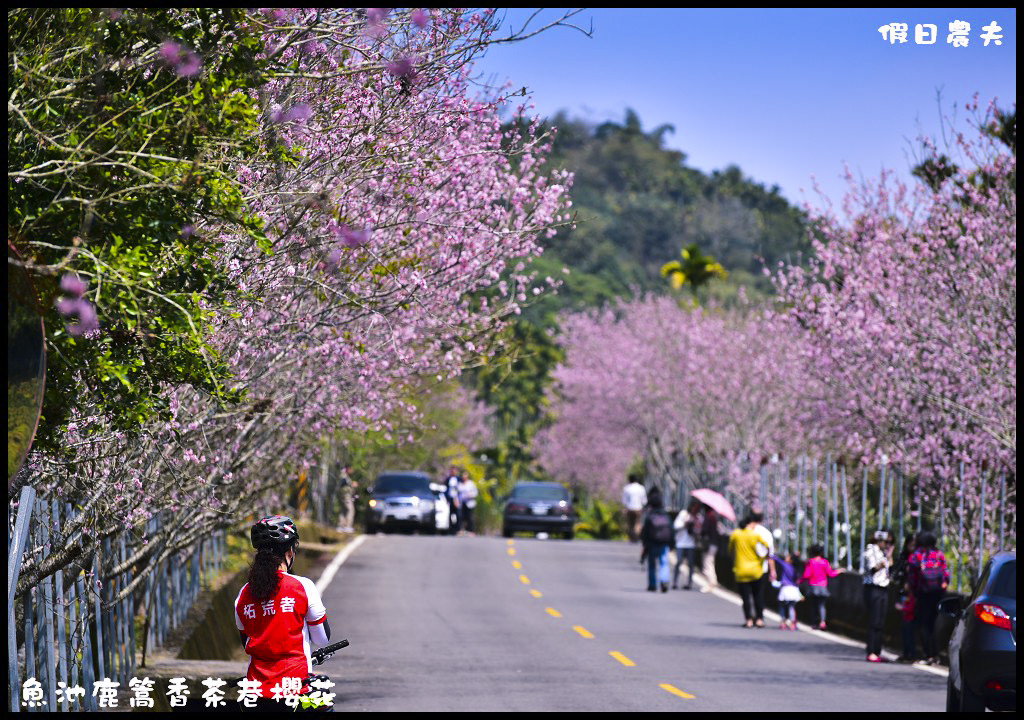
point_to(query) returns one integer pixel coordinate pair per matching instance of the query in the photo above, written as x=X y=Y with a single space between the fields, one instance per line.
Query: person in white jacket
x=687 y=526
x=634 y=499
x=467 y=499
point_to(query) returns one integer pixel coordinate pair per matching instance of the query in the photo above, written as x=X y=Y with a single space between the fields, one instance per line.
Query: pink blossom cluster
x=397 y=211
x=650 y=378
x=910 y=307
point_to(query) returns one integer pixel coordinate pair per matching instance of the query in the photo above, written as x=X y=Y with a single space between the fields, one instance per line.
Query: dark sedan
x=983 y=646
x=539 y=507
x=401 y=500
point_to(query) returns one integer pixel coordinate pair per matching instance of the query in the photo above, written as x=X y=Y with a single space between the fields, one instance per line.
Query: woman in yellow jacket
x=749 y=553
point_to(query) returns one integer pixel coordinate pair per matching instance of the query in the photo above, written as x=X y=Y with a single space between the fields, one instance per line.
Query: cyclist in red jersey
x=279 y=616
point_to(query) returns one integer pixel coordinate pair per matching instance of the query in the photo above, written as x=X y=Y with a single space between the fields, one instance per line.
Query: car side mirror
x=952 y=606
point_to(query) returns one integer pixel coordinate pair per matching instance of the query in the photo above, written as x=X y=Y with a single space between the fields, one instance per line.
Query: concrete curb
x=331 y=570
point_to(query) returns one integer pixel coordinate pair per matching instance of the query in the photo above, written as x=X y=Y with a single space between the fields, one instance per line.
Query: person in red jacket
x=279 y=616
x=927 y=580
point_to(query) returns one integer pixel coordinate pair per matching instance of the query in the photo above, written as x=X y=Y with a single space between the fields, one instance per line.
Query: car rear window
x=1005 y=583
x=540 y=492
x=401 y=483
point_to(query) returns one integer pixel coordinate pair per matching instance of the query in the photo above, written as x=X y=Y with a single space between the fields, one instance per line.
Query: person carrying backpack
x=657 y=536
x=927 y=580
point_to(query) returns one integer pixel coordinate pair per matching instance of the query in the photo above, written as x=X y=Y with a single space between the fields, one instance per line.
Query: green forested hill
x=637 y=205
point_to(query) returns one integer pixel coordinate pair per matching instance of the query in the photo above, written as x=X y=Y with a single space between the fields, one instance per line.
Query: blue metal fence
x=809 y=501
x=74 y=630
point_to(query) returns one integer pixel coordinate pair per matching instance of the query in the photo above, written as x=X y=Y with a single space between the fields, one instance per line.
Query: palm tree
x=695 y=271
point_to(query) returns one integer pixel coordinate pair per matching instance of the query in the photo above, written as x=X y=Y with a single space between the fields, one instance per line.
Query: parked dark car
x=539 y=507
x=401 y=500
x=983 y=646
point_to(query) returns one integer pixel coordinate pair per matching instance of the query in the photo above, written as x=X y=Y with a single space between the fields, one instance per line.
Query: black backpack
x=660 y=528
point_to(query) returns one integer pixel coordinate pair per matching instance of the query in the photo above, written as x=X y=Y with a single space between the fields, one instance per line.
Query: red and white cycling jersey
x=280 y=630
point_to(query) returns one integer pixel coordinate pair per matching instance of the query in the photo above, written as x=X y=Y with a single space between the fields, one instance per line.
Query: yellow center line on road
x=511 y=551
x=517 y=565
x=510 y=542
x=536 y=593
x=583 y=631
x=552 y=612
x=676 y=691
x=622 y=658
x=524 y=580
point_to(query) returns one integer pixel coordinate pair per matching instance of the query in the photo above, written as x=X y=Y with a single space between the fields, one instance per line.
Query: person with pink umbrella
x=711 y=535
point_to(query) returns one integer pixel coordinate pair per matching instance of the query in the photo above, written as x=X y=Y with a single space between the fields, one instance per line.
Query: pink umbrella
x=715 y=501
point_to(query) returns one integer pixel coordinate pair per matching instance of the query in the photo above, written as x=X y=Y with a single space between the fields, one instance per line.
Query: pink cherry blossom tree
x=397 y=211
x=655 y=380
x=910 y=308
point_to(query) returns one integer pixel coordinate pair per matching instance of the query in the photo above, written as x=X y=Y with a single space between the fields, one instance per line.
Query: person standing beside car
x=928 y=578
x=467 y=500
x=877 y=562
x=452 y=491
x=899 y=577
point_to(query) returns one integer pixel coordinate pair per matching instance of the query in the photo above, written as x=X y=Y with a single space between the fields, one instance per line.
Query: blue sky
x=784 y=94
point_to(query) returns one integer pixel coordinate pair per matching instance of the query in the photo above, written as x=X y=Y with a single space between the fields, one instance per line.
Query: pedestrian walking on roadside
x=452 y=492
x=877 y=564
x=711 y=540
x=657 y=537
x=748 y=551
x=348 y=500
x=634 y=499
x=687 y=526
x=467 y=500
x=899 y=577
x=789 y=593
x=816 y=573
x=928 y=580
x=767 y=550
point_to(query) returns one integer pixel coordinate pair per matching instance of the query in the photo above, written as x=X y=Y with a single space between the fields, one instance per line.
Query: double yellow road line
x=583 y=632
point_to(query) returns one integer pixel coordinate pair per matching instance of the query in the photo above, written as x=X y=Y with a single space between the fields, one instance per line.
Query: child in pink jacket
x=817 y=571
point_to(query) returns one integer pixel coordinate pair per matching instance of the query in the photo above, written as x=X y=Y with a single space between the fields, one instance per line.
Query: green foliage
x=112 y=157
x=637 y=203
x=600 y=519
x=937 y=168
x=514 y=384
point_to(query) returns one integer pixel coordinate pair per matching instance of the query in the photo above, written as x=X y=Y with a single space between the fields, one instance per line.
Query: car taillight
x=993 y=615
x=516 y=508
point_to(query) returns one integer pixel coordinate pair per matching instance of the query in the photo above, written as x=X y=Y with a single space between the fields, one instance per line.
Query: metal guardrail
x=810 y=501
x=73 y=632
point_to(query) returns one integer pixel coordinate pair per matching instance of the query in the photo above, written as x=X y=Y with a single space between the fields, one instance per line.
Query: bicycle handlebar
x=321 y=655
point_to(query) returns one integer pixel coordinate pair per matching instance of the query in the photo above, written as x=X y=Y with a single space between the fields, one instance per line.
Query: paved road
x=482 y=624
